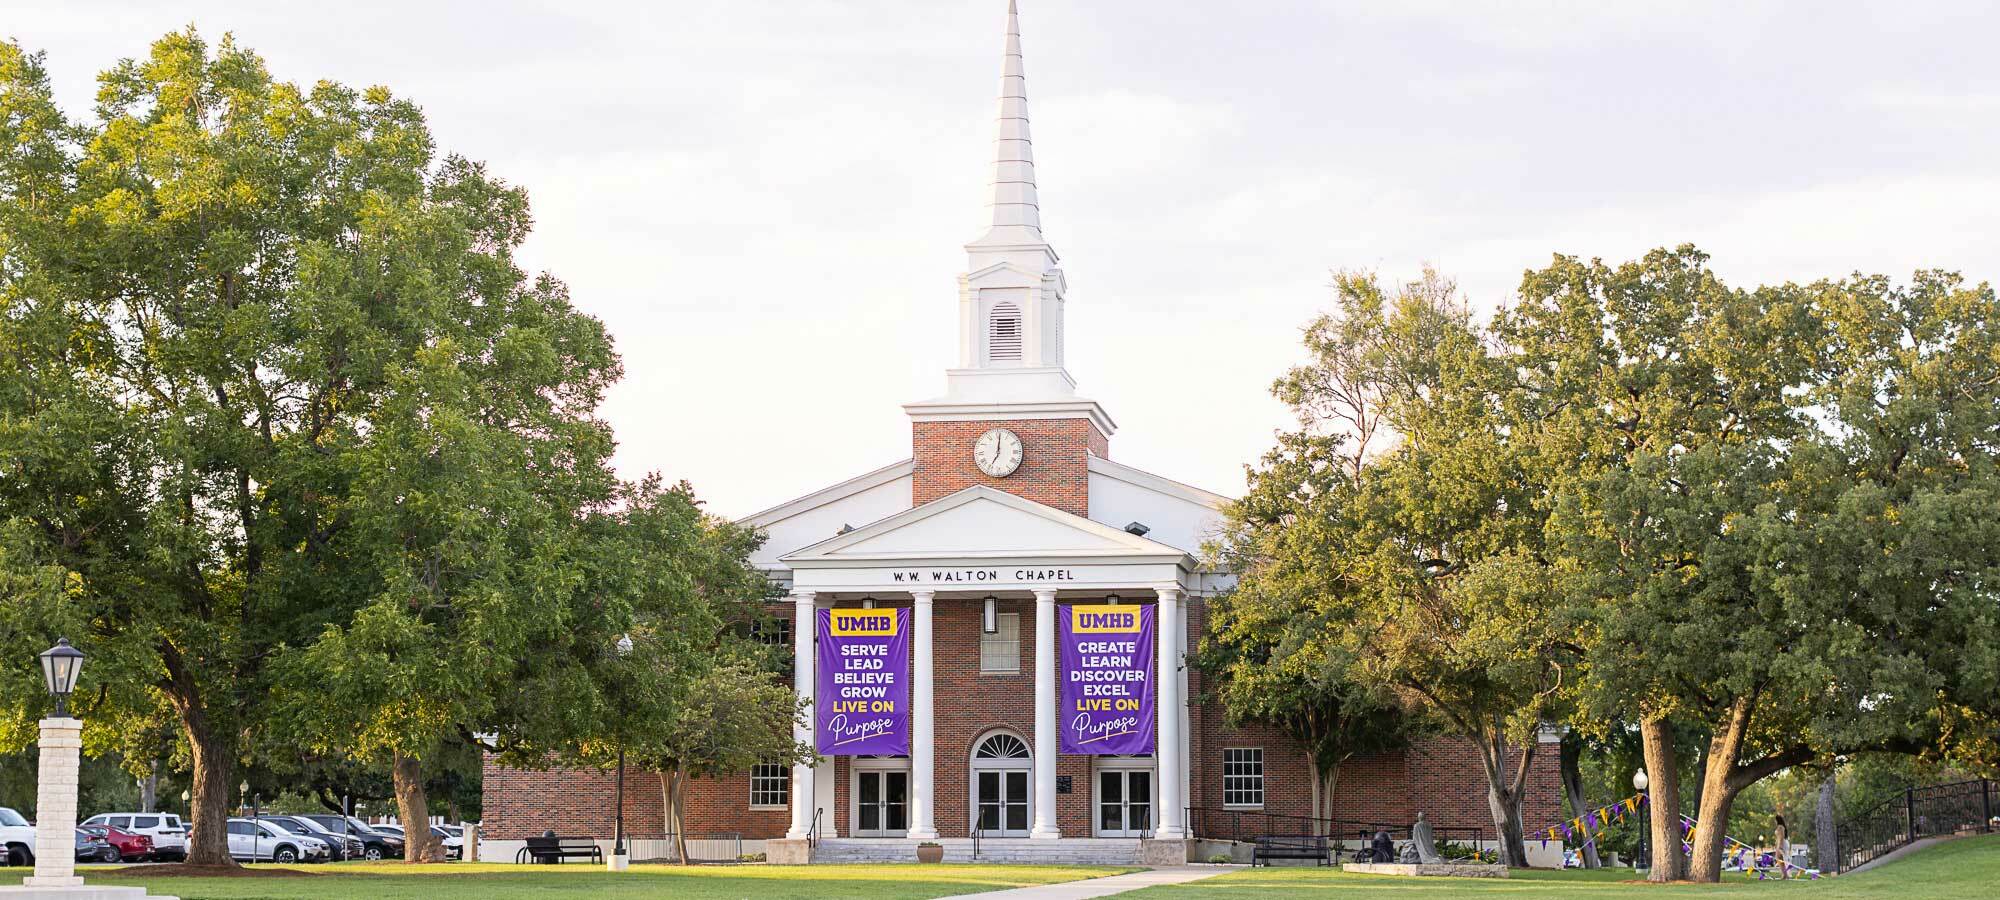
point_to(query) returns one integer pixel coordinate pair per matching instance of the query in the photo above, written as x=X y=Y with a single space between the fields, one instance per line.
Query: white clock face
x=997 y=452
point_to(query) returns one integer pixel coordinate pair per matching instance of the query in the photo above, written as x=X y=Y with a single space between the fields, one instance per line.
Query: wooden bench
x=557 y=849
x=1291 y=846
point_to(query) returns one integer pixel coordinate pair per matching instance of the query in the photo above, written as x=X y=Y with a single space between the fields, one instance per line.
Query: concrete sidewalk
x=1105 y=887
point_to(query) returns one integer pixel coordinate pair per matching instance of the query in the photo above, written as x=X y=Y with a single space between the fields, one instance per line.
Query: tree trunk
x=1572 y=779
x=214 y=762
x=149 y=787
x=1312 y=767
x=1503 y=794
x=1663 y=798
x=419 y=844
x=676 y=811
x=1718 y=791
x=1826 y=836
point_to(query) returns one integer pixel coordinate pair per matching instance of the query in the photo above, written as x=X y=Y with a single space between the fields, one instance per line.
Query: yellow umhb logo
x=864 y=622
x=1104 y=620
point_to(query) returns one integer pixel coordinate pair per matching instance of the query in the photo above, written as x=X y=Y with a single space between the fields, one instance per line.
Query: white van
x=168 y=834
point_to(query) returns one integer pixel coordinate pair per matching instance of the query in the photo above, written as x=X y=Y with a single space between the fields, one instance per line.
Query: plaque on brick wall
x=1062 y=784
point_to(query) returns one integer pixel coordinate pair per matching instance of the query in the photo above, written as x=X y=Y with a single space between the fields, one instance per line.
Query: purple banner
x=862 y=702
x=1107 y=679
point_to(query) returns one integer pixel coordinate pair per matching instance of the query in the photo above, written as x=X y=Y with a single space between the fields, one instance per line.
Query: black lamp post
x=60 y=665
x=618 y=815
x=1639 y=782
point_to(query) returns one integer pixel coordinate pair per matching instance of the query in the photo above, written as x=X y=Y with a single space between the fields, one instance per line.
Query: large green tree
x=1767 y=511
x=1400 y=523
x=267 y=368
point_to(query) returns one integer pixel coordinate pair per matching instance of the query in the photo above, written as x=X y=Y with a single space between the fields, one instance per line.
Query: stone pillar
x=803 y=681
x=1168 y=748
x=1045 y=717
x=923 y=728
x=55 y=804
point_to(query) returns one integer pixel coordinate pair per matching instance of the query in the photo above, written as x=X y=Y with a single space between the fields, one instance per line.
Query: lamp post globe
x=60 y=666
x=1639 y=781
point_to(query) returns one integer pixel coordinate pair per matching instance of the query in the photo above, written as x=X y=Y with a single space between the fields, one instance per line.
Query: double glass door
x=881 y=803
x=1003 y=802
x=1124 y=802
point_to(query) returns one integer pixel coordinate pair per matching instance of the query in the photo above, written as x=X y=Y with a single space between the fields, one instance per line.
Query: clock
x=997 y=452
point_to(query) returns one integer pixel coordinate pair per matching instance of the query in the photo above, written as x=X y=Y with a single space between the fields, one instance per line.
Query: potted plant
x=930 y=852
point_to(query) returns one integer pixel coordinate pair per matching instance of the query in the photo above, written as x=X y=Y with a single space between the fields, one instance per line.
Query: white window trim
x=786 y=777
x=1263 y=785
x=983 y=637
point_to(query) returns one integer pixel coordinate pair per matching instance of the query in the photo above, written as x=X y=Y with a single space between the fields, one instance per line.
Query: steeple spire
x=1016 y=212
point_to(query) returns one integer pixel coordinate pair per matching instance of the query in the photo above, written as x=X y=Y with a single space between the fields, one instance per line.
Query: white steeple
x=1016 y=214
x=1010 y=298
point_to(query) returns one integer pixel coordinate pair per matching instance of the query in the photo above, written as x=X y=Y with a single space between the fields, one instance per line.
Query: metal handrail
x=812 y=834
x=1910 y=814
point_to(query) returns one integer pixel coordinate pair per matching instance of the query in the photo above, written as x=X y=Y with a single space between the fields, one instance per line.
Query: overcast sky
x=766 y=201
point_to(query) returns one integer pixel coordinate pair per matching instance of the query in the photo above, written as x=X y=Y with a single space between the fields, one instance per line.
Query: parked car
x=126 y=845
x=17 y=835
x=340 y=846
x=253 y=840
x=166 y=829
x=92 y=847
x=374 y=844
x=451 y=838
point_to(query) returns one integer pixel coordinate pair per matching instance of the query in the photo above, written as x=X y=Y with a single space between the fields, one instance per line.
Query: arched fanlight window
x=1001 y=746
x=1003 y=332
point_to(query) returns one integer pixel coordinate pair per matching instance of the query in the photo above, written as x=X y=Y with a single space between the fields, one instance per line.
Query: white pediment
x=983 y=523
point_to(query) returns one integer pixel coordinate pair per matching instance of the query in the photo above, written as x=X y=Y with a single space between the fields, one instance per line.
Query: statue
x=1420 y=838
x=1384 y=849
x=1410 y=857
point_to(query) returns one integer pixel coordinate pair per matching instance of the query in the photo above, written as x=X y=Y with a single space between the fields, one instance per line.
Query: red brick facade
x=1055 y=460
x=1440 y=777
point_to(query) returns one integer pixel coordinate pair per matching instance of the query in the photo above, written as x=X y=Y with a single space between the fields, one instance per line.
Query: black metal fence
x=1914 y=814
x=1248 y=825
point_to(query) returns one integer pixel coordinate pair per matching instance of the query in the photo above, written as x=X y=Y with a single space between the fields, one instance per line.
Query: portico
x=983 y=546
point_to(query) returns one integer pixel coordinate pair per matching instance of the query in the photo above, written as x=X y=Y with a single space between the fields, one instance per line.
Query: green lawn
x=1959 y=870
x=461 y=881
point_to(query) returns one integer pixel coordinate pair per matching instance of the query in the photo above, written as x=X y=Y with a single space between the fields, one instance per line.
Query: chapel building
x=1010 y=510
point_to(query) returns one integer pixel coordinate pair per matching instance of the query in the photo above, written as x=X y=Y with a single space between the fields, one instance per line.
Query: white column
x=1045 y=717
x=923 y=733
x=55 y=804
x=1168 y=750
x=803 y=641
x=1187 y=719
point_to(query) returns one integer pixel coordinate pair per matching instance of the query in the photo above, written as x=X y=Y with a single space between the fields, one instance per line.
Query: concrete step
x=1065 y=851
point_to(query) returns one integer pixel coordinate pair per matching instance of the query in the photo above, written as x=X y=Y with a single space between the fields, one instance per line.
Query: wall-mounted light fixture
x=1111 y=599
x=1138 y=528
x=989 y=619
x=868 y=603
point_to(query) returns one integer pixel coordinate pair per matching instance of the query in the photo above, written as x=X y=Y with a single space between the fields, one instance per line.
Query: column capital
x=923 y=596
x=799 y=596
x=1045 y=595
x=1166 y=591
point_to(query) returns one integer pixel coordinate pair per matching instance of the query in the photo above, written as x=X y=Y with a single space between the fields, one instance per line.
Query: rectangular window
x=1000 y=652
x=770 y=786
x=775 y=631
x=1243 y=777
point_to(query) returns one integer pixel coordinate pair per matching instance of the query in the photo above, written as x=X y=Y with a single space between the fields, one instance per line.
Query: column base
x=1163 y=852
x=788 y=852
x=617 y=862
x=78 y=892
x=916 y=835
x=1039 y=834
